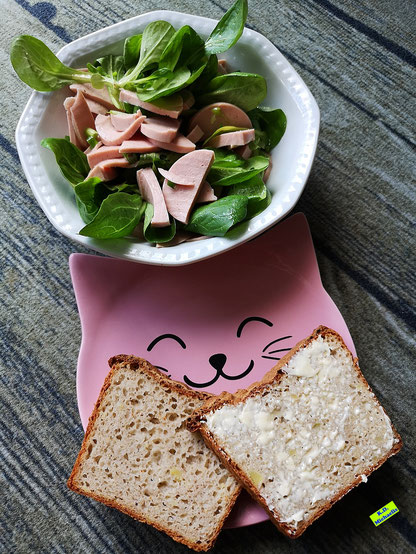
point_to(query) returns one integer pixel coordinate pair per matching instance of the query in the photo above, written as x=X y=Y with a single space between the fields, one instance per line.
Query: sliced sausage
x=100 y=153
x=96 y=107
x=106 y=169
x=223 y=68
x=138 y=144
x=170 y=106
x=129 y=96
x=268 y=170
x=163 y=129
x=179 y=144
x=233 y=139
x=122 y=121
x=219 y=114
x=68 y=103
x=109 y=134
x=180 y=200
x=206 y=194
x=82 y=118
x=190 y=169
x=151 y=192
x=244 y=151
x=188 y=99
x=98 y=95
x=196 y=134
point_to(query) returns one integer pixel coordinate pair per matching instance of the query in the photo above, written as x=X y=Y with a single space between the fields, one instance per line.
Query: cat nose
x=218 y=361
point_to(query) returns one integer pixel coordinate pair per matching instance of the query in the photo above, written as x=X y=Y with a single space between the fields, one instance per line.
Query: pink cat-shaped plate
x=217 y=325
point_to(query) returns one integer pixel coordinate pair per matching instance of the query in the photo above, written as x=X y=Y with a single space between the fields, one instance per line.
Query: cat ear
x=96 y=283
x=284 y=253
x=299 y=248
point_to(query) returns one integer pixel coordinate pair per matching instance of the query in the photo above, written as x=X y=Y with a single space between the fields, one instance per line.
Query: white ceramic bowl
x=44 y=116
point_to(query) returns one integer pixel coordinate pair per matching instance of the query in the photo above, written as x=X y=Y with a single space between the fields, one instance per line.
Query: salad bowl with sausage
x=152 y=134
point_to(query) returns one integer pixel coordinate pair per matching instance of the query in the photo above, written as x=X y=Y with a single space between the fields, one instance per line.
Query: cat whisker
x=276 y=340
x=270 y=358
x=280 y=350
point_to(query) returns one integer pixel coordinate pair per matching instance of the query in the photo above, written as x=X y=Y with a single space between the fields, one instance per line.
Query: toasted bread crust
x=139 y=364
x=197 y=422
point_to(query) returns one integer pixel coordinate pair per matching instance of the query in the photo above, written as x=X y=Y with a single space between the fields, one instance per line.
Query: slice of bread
x=139 y=457
x=300 y=439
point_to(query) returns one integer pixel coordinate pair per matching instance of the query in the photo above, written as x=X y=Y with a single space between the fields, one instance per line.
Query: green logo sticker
x=384 y=513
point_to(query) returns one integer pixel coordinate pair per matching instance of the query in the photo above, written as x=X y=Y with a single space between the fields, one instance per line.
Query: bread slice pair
x=305 y=435
x=139 y=457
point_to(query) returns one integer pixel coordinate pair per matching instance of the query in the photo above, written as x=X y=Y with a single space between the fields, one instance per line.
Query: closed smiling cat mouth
x=218 y=361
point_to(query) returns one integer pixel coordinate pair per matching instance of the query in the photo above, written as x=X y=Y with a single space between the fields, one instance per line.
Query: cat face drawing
x=219 y=362
x=219 y=324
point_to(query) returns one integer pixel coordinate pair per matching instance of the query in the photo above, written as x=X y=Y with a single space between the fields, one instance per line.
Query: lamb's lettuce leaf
x=131 y=50
x=37 y=66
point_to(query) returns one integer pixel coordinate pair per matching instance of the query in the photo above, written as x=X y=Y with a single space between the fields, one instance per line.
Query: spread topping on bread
x=312 y=430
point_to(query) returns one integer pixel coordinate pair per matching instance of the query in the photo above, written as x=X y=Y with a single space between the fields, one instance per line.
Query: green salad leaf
x=118 y=215
x=228 y=30
x=89 y=195
x=272 y=126
x=245 y=90
x=164 y=85
x=231 y=170
x=106 y=72
x=92 y=137
x=122 y=187
x=72 y=162
x=156 y=63
x=185 y=46
x=155 y=38
x=109 y=66
x=154 y=159
x=216 y=218
x=131 y=50
x=157 y=234
x=256 y=192
x=207 y=74
x=37 y=66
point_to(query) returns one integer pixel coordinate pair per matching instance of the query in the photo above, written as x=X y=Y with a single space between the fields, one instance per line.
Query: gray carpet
x=360 y=202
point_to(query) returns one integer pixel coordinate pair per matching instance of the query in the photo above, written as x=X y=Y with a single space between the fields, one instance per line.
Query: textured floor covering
x=360 y=202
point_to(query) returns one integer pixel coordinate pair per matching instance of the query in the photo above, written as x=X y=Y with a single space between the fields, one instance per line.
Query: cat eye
x=163 y=337
x=249 y=319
